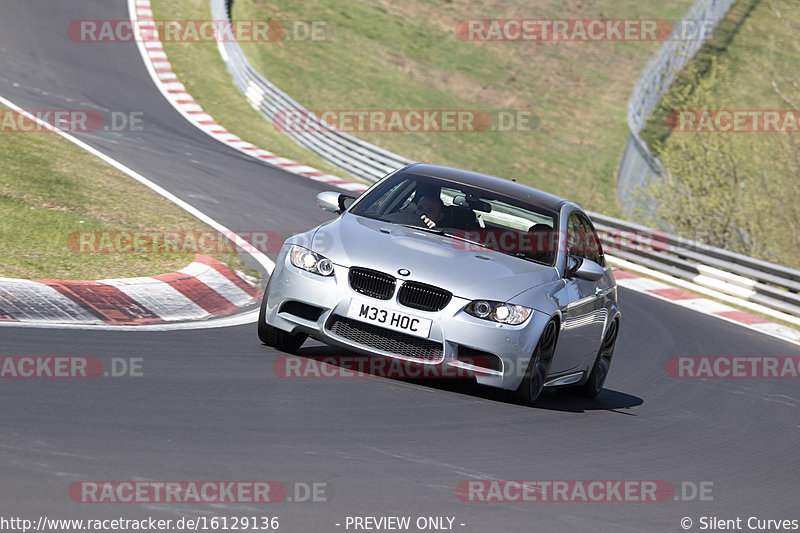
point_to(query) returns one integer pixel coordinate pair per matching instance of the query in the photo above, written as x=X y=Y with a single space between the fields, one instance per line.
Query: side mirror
x=579 y=267
x=333 y=201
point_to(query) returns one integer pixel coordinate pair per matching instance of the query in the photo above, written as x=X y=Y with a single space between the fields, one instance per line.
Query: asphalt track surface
x=210 y=407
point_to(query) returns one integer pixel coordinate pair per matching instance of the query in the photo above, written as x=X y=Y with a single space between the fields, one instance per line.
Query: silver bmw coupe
x=441 y=266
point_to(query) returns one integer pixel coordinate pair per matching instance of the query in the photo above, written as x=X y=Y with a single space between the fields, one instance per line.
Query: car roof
x=490 y=183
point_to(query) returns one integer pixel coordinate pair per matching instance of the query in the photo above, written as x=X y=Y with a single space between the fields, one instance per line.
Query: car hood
x=465 y=270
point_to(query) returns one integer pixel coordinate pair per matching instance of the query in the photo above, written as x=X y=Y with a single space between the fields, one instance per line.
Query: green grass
x=51 y=189
x=406 y=55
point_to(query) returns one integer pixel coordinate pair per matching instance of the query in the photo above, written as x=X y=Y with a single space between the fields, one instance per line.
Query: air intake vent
x=387 y=340
x=302 y=310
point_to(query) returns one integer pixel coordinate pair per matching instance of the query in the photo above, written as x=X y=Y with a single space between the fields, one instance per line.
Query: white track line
x=263 y=260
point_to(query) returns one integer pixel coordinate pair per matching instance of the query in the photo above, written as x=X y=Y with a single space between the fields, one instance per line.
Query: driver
x=431 y=210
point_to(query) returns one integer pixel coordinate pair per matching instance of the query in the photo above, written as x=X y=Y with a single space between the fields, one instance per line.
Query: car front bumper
x=495 y=354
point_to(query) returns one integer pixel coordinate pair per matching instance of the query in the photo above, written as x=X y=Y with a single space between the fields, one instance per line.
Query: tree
x=738 y=191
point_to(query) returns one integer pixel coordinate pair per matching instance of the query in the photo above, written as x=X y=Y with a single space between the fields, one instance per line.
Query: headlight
x=499 y=312
x=310 y=261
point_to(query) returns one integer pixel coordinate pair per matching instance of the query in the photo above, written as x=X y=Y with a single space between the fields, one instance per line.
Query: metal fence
x=638 y=166
x=772 y=286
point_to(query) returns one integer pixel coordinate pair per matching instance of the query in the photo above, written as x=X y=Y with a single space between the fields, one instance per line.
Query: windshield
x=472 y=215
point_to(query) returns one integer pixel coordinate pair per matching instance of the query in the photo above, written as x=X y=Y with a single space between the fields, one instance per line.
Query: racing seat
x=541 y=237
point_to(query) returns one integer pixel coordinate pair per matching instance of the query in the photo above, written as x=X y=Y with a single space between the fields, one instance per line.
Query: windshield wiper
x=464 y=239
x=435 y=231
x=526 y=257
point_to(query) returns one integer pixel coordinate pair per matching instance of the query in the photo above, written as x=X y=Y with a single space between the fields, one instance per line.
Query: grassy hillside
x=406 y=55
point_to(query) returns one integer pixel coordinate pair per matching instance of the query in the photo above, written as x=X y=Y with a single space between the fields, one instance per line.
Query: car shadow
x=550 y=399
x=607 y=400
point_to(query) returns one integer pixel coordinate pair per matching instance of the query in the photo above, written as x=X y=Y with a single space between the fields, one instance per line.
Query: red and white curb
x=206 y=288
x=175 y=92
x=693 y=301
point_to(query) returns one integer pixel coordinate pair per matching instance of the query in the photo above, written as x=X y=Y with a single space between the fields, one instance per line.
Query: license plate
x=389 y=318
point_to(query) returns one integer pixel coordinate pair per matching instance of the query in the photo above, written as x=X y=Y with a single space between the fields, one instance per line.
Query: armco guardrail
x=769 y=285
x=760 y=282
x=358 y=158
x=638 y=166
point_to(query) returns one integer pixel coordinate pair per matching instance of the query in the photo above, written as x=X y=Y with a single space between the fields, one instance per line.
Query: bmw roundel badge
x=404 y=272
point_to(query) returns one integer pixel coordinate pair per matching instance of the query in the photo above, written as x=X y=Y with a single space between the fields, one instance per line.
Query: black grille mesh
x=372 y=283
x=423 y=297
x=387 y=340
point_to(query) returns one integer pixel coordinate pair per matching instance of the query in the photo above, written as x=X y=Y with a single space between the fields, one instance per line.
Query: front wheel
x=272 y=336
x=536 y=373
x=602 y=364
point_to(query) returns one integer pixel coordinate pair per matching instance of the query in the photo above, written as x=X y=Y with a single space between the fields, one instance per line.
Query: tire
x=602 y=364
x=536 y=373
x=272 y=336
